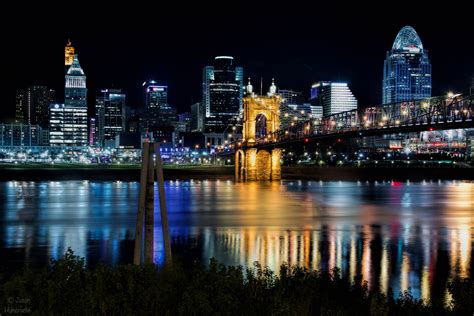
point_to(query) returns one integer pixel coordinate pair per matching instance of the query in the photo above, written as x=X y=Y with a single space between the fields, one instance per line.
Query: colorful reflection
x=409 y=236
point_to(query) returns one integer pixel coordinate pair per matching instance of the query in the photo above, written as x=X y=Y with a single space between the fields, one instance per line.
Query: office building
x=132 y=120
x=197 y=117
x=56 y=124
x=158 y=118
x=32 y=105
x=222 y=93
x=333 y=97
x=74 y=123
x=17 y=134
x=92 y=131
x=157 y=112
x=407 y=69
x=110 y=114
x=67 y=126
x=291 y=97
x=316 y=111
x=185 y=120
x=75 y=92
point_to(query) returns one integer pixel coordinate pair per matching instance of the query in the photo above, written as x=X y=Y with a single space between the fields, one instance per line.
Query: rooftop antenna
x=261 y=86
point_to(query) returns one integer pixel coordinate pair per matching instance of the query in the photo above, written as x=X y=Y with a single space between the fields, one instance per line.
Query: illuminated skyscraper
x=158 y=116
x=407 y=69
x=56 y=125
x=69 y=54
x=222 y=93
x=110 y=114
x=75 y=90
x=333 y=97
x=157 y=110
x=75 y=106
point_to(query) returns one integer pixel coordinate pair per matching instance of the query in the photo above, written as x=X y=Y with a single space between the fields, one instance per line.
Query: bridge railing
x=434 y=111
x=430 y=111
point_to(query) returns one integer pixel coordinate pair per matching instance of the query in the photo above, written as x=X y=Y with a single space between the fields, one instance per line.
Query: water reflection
x=395 y=235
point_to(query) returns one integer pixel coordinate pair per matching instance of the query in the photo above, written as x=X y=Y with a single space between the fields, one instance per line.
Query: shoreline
x=227 y=173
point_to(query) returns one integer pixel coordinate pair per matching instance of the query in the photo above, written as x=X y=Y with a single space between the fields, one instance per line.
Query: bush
x=67 y=287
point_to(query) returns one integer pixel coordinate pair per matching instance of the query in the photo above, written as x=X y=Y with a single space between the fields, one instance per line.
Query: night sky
x=121 y=47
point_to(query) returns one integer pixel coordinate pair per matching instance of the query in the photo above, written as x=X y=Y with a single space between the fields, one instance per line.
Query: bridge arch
x=240 y=165
x=261 y=117
x=261 y=125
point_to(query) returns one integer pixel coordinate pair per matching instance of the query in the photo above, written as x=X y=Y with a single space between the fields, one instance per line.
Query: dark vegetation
x=67 y=287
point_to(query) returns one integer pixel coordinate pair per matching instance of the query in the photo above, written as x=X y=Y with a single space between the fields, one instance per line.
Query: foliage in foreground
x=67 y=287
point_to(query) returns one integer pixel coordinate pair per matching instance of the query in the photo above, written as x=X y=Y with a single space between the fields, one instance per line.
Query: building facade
x=32 y=105
x=157 y=111
x=197 y=117
x=56 y=124
x=291 y=97
x=17 y=134
x=110 y=114
x=75 y=106
x=407 y=69
x=333 y=97
x=316 y=111
x=92 y=131
x=222 y=93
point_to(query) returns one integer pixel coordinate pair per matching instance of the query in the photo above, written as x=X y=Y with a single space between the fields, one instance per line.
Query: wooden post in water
x=146 y=206
x=163 y=210
x=137 y=258
x=149 y=209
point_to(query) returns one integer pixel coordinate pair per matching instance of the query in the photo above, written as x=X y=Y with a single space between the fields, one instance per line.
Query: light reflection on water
x=396 y=235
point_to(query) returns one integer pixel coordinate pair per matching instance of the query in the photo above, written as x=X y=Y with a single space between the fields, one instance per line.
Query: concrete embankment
x=227 y=173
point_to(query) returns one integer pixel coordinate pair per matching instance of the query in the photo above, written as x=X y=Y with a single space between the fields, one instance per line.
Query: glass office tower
x=222 y=93
x=407 y=69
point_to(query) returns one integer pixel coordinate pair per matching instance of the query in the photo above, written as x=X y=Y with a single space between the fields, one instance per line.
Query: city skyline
x=307 y=51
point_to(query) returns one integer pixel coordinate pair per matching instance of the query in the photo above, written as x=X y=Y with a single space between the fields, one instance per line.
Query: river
x=399 y=235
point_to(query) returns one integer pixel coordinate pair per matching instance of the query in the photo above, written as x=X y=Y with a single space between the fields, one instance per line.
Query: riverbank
x=132 y=173
x=110 y=173
x=67 y=286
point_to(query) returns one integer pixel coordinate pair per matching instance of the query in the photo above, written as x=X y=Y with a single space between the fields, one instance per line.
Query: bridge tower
x=261 y=119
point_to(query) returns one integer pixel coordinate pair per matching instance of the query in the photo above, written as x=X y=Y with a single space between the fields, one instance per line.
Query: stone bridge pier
x=254 y=164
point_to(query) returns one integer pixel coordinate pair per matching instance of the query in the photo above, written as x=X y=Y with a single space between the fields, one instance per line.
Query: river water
x=408 y=235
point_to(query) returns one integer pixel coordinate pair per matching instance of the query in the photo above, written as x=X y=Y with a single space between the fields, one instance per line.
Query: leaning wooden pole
x=137 y=258
x=149 y=210
x=163 y=211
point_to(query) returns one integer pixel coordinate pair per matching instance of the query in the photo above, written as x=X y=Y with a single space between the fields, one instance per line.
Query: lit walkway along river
x=398 y=235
